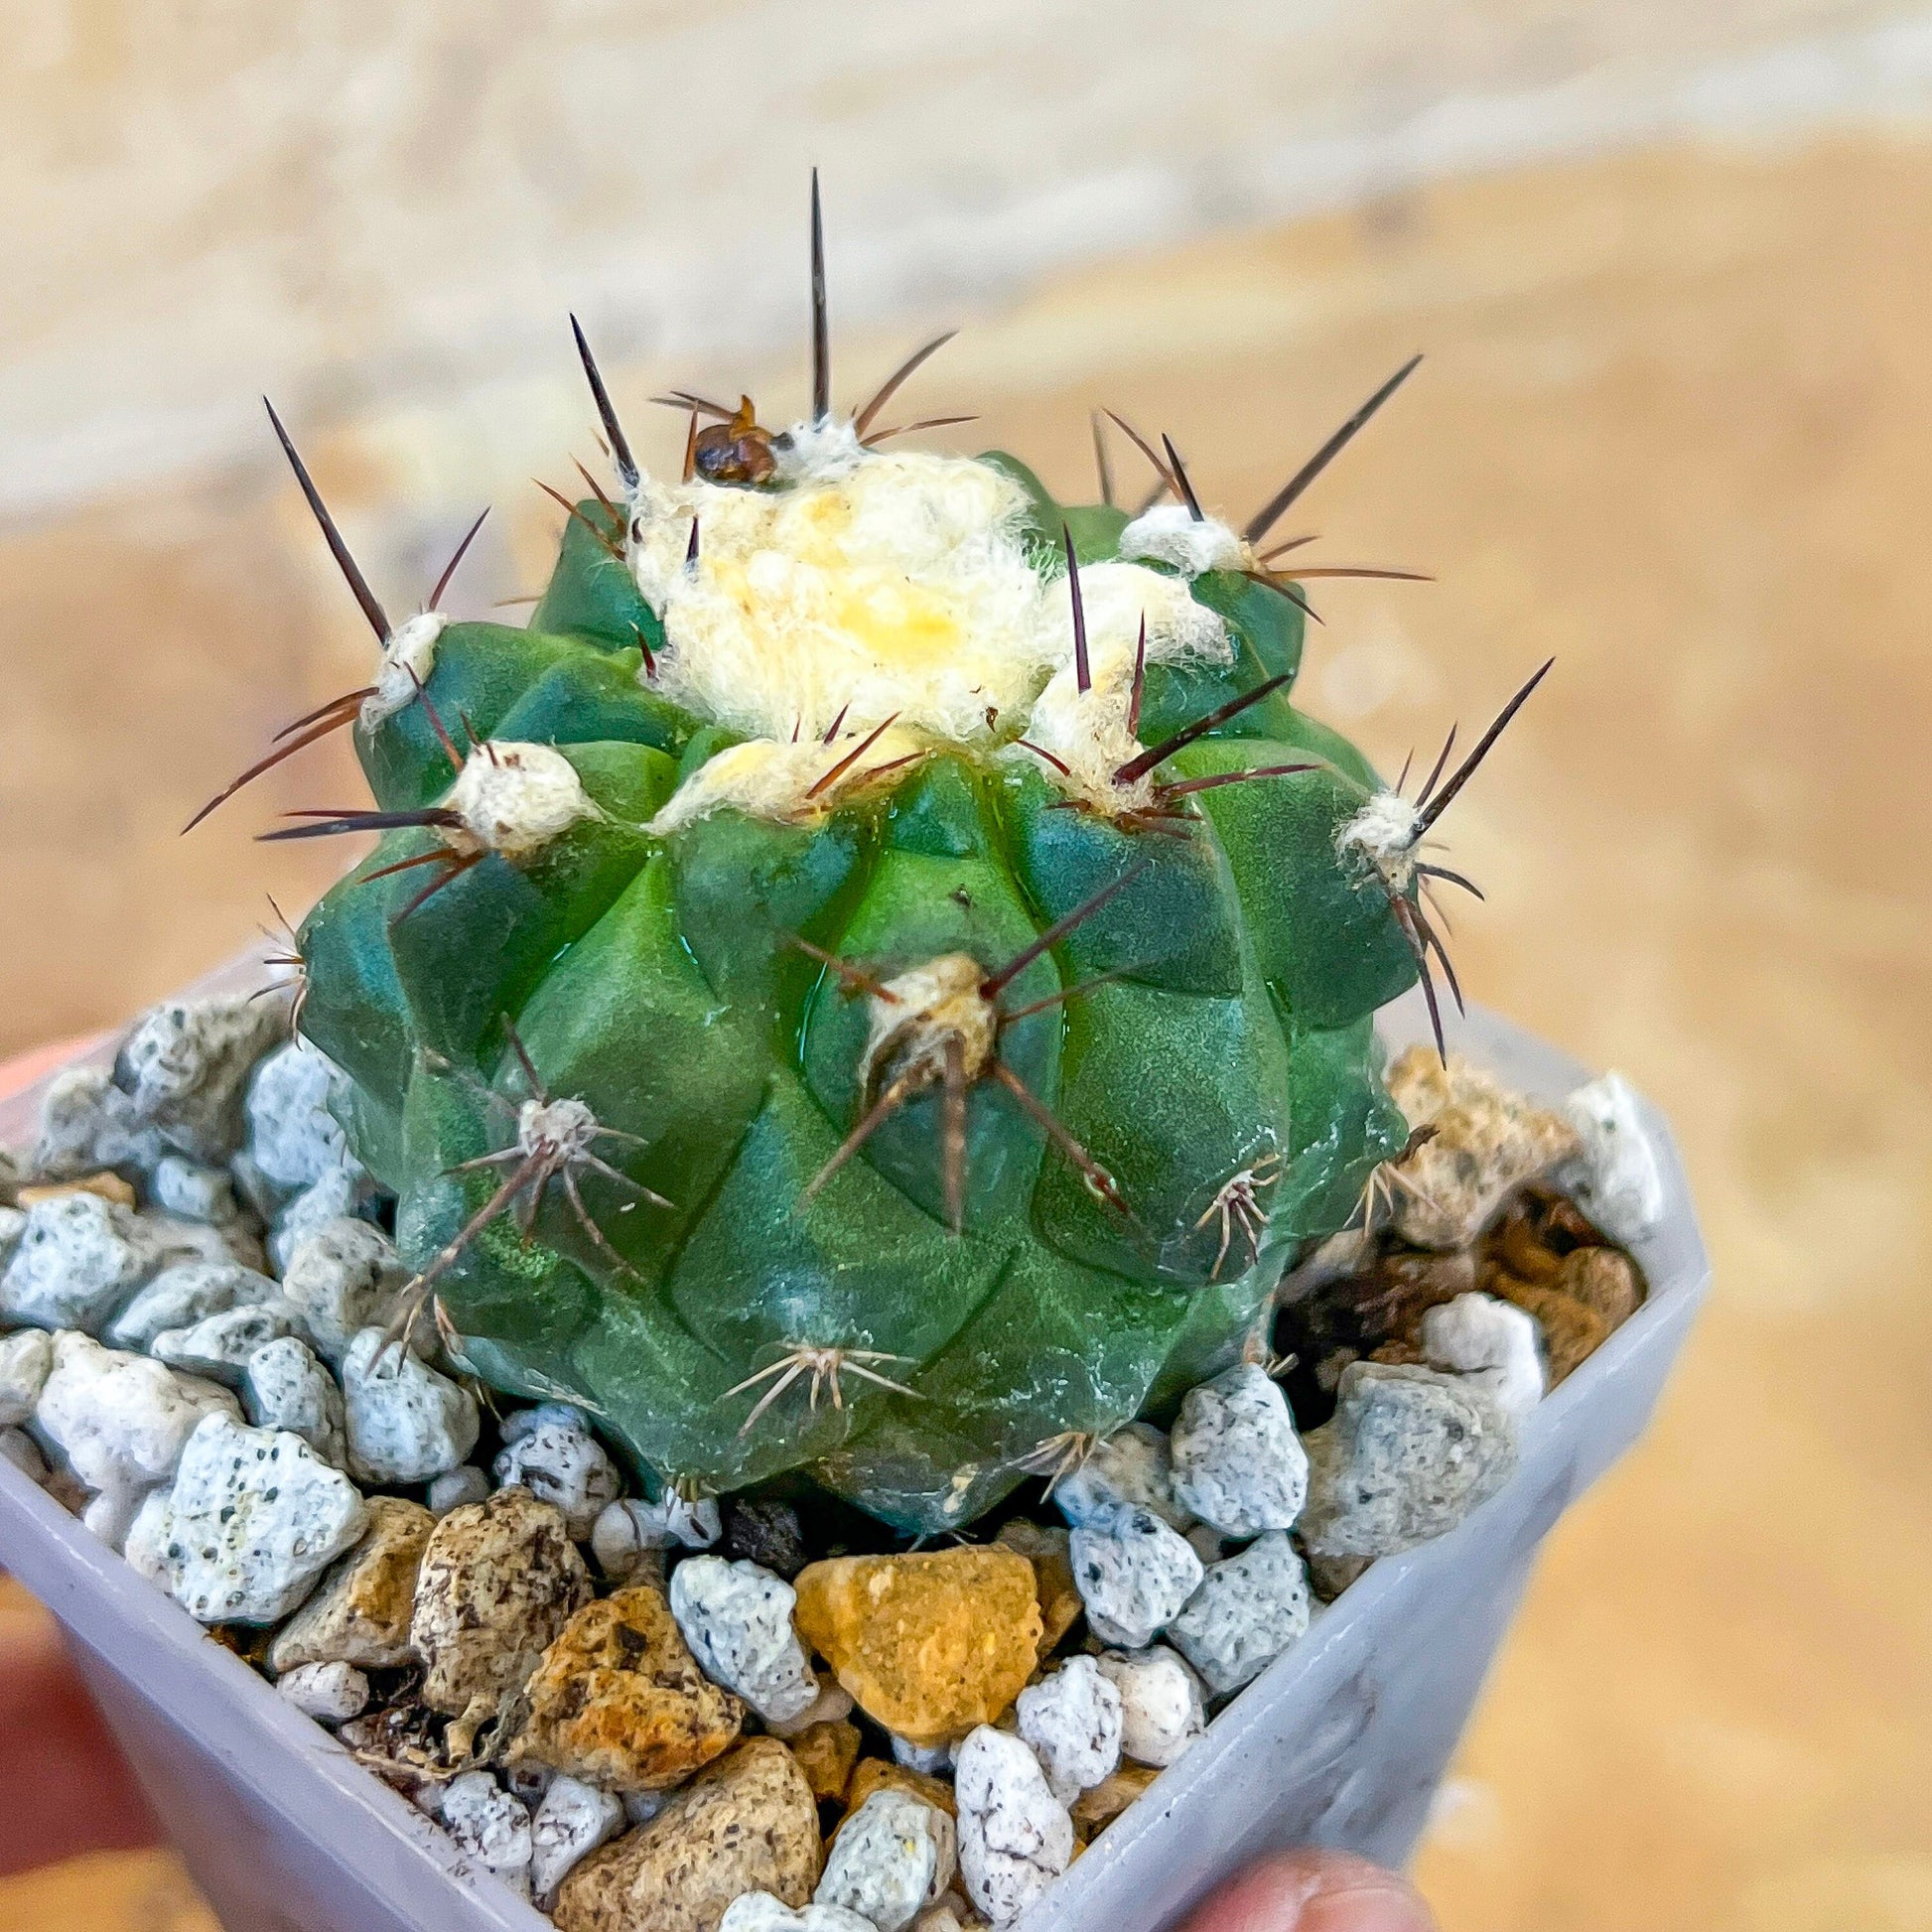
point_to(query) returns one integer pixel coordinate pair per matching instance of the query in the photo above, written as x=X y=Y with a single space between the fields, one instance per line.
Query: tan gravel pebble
x=929 y=1644
x=499 y=1580
x=362 y=1610
x=618 y=1701
x=747 y=1823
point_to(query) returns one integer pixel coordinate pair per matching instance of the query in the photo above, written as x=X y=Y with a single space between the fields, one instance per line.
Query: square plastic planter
x=1341 y=1742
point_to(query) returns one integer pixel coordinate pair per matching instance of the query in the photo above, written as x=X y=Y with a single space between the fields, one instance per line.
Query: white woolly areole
x=878 y=586
x=922 y=1010
x=408 y=658
x=1171 y=533
x=764 y=779
x=1087 y=730
x=516 y=798
x=818 y=451
x=566 y=1124
x=1384 y=835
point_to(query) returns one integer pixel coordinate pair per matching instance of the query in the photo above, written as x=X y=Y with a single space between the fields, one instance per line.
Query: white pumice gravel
x=626 y=1529
x=340 y=1195
x=252 y=1520
x=192 y=1190
x=933 y=1760
x=1407 y=1455
x=832 y=1705
x=737 y=1618
x=1074 y=1719
x=20 y=1449
x=466 y=1483
x=183 y=1064
x=1247 y=1610
x=284 y=1385
x=111 y=1513
x=331 y=1694
x=560 y=1461
x=640 y=1807
x=572 y=1819
x=26 y=1361
x=78 y=1260
x=220 y=1345
x=184 y=1293
x=892 y=1858
x=1617 y=1179
x=293 y=1139
x=1237 y=1462
x=343 y=1277
x=762 y=1912
x=406 y=1421
x=120 y=1422
x=1014 y=1837
x=1493 y=1343
x=1132 y=1572
x=491 y=1826
x=1131 y=1465
x=1161 y=1708
x=88 y=1123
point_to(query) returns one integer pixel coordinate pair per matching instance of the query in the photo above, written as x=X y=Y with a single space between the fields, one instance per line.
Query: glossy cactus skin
x=657 y=978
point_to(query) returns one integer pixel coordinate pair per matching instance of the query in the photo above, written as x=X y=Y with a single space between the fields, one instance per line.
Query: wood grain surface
x=1675 y=427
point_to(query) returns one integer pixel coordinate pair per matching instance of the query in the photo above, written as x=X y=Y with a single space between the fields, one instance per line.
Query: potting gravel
x=195 y=1292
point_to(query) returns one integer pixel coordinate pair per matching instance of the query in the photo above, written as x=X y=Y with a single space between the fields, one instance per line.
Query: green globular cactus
x=875 y=980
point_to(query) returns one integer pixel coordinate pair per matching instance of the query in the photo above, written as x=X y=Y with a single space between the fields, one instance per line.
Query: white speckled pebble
x=293 y=1139
x=78 y=1260
x=1131 y=1466
x=1074 y=1721
x=343 y=1277
x=1407 y=1455
x=1617 y=1179
x=519 y=1423
x=220 y=1345
x=1132 y=1572
x=1493 y=1343
x=454 y=1487
x=253 y=1519
x=1237 y=1461
x=195 y=1192
x=892 y=1858
x=26 y=1361
x=737 y=1618
x=118 y=1420
x=760 y=1911
x=1247 y=1611
x=187 y=1293
x=1014 y=1837
x=183 y=1066
x=406 y=1421
x=285 y=1386
x=560 y=1461
x=20 y=1449
x=572 y=1819
x=491 y=1826
x=331 y=1694
x=1161 y=1708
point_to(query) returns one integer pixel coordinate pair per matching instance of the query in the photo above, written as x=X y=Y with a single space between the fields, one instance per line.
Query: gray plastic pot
x=1341 y=1742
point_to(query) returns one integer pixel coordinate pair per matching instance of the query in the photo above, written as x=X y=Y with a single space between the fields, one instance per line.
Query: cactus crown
x=874 y=980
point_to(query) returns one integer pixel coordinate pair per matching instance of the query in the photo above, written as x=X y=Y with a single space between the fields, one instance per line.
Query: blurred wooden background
x=1676 y=426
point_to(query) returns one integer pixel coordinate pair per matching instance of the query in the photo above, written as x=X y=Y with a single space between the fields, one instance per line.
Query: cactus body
x=741 y=851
